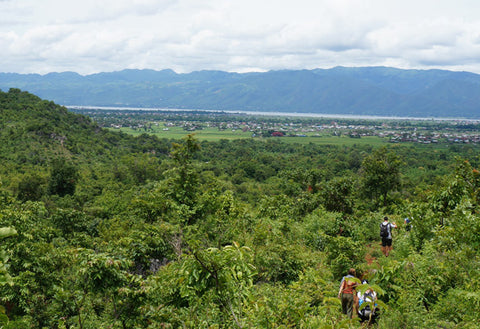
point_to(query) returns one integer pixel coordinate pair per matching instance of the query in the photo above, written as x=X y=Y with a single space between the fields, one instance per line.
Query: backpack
x=384 y=230
x=368 y=297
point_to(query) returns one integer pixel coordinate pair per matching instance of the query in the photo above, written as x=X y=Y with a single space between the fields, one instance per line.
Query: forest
x=103 y=229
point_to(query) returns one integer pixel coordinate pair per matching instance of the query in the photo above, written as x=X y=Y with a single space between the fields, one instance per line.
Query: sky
x=91 y=36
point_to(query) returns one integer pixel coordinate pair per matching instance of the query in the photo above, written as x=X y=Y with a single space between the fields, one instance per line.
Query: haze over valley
x=378 y=91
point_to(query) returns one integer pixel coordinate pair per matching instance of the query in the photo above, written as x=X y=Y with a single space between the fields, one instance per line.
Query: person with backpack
x=386 y=235
x=368 y=312
x=347 y=292
x=408 y=225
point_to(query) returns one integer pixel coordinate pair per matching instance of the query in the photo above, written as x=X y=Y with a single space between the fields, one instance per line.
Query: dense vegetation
x=105 y=230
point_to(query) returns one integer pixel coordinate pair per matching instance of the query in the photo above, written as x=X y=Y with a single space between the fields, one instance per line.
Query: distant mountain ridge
x=381 y=91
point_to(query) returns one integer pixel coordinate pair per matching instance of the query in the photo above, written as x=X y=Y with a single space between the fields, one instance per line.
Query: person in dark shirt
x=386 y=226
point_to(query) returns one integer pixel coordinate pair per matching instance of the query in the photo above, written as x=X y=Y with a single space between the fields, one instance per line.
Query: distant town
x=424 y=131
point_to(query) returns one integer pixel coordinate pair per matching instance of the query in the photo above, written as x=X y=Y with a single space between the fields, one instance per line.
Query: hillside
x=35 y=134
x=380 y=91
x=103 y=230
x=37 y=130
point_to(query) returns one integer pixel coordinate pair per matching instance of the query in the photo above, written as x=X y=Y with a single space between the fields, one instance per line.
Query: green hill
x=104 y=230
x=33 y=131
x=35 y=134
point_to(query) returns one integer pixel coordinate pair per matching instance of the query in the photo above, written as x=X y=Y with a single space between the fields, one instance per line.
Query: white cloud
x=237 y=35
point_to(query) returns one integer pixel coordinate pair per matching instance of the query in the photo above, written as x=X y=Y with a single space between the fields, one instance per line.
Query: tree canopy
x=101 y=229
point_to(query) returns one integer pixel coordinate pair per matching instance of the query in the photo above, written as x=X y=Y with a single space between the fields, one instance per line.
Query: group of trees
x=104 y=230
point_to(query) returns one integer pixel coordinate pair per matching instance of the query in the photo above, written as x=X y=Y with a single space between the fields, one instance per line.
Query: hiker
x=408 y=226
x=369 y=312
x=386 y=235
x=347 y=293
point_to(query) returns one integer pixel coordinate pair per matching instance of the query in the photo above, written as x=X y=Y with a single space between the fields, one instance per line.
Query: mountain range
x=379 y=91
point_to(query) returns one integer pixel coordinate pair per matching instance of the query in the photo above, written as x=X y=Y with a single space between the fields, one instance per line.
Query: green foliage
x=337 y=194
x=322 y=225
x=184 y=183
x=280 y=262
x=142 y=168
x=63 y=178
x=6 y=232
x=31 y=187
x=380 y=174
x=223 y=219
x=97 y=290
x=278 y=307
x=458 y=307
x=219 y=279
x=114 y=231
x=343 y=253
x=5 y=277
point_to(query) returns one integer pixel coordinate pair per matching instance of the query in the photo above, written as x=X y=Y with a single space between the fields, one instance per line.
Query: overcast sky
x=90 y=36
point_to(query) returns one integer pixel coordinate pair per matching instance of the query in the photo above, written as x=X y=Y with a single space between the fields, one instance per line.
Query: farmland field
x=213 y=134
x=215 y=126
